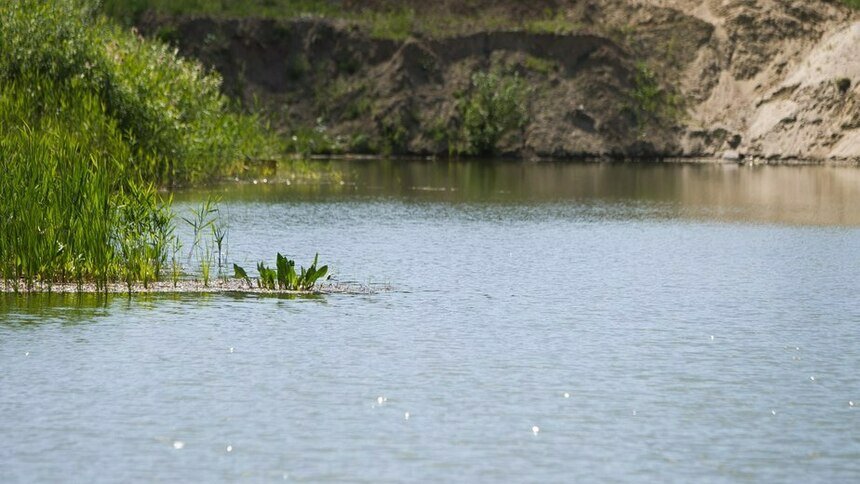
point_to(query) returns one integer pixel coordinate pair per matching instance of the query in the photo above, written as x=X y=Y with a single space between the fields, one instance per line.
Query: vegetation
x=852 y=3
x=284 y=276
x=70 y=209
x=383 y=20
x=541 y=65
x=495 y=106
x=552 y=23
x=649 y=100
x=92 y=119
x=176 y=123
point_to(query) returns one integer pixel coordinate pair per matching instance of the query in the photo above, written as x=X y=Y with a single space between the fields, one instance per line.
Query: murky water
x=651 y=322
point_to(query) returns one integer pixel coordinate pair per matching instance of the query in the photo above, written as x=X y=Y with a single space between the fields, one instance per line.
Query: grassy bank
x=394 y=20
x=93 y=119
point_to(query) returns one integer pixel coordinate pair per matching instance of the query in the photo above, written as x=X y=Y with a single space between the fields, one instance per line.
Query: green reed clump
x=69 y=210
x=92 y=119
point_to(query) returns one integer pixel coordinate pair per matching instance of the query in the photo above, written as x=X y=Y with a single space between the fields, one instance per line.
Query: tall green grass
x=69 y=211
x=92 y=119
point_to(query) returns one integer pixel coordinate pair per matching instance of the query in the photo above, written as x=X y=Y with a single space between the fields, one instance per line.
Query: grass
x=541 y=65
x=70 y=213
x=552 y=23
x=852 y=3
x=385 y=20
x=92 y=120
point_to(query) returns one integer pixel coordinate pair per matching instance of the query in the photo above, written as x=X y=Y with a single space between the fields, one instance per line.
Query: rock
x=732 y=155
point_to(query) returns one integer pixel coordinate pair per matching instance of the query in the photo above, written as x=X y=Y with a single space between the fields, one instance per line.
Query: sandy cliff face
x=786 y=76
x=775 y=80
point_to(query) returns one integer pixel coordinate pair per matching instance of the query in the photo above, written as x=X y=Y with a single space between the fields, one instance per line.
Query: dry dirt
x=756 y=79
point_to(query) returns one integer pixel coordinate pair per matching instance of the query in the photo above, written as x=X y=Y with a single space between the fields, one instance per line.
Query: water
x=703 y=321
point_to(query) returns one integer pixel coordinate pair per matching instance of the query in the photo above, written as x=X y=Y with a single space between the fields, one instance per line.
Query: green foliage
x=267 y=277
x=71 y=208
x=496 y=105
x=551 y=23
x=541 y=65
x=852 y=3
x=393 y=25
x=170 y=112
x=306 y=141
x=239 y=273
x=130 y=10
x=649 y=100
x=284 y=277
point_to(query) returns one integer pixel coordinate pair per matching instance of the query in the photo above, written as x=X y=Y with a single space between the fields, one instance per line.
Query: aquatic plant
x=284 y=276
x=206 y=266
x=92 y=119
x=267 y=277
x=239 y=273
x=201 y=220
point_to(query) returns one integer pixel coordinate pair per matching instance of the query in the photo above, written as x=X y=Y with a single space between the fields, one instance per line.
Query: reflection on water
x=814 y=195
x=606 y=306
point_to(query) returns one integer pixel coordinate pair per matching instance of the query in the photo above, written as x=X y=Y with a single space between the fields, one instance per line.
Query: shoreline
x=696 y=160
x=230 y=286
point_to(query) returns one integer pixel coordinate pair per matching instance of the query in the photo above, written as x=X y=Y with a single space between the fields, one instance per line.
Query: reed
x=92 y=119
x=70 y=211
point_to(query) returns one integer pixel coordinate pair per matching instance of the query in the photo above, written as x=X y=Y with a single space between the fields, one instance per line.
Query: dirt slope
x=771 y=80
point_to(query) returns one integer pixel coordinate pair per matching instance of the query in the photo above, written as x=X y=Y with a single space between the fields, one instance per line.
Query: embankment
x=772 y=80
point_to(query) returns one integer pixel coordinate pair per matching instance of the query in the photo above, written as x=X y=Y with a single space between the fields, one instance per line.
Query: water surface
x=703 y=322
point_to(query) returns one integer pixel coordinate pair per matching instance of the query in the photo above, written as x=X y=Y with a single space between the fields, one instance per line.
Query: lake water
x=657 y=323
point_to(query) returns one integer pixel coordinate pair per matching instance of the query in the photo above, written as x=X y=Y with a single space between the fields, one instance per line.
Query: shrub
x=496 y=105
x=649 y=100
x=166 y=108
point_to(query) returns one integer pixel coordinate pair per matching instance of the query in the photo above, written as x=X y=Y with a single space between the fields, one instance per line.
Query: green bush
x=165 y=107
x=496 y=105
x=649 y=100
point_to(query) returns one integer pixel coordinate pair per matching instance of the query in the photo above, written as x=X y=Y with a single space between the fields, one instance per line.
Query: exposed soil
x=766 y=79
